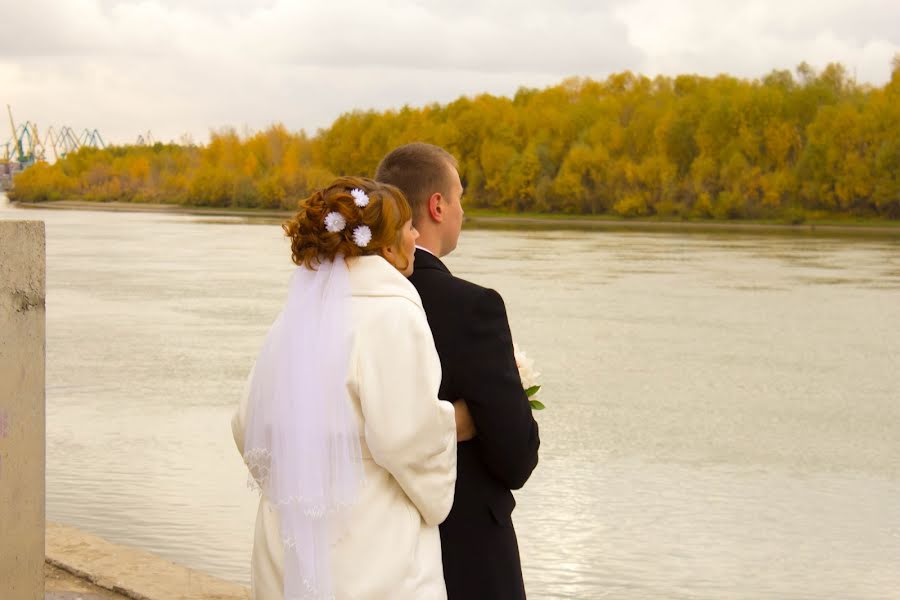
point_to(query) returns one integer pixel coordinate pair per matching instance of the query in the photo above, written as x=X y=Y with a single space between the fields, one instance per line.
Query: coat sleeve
x=410 y=433
x=507 y=432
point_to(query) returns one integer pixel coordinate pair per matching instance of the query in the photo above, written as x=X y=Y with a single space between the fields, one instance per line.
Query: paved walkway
x=60 y=585
x=101 y=566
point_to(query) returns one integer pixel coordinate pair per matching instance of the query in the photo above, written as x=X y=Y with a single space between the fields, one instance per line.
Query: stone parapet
x=22 y=409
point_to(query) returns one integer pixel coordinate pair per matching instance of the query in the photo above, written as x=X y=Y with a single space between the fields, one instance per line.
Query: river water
x=723 y=414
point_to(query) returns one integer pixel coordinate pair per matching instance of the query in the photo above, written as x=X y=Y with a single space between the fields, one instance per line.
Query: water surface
x=723 y=413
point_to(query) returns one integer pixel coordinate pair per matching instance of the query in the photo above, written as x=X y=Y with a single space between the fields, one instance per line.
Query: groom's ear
x=436 y=208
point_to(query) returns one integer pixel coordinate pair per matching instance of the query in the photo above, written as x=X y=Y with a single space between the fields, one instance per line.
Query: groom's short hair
x=419 y=170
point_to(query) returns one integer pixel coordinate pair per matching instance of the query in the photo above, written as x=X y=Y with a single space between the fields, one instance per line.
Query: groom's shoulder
x=437 y=285
x=450 y=285
x=469 y=297
x=470 y=288
x=442 y=286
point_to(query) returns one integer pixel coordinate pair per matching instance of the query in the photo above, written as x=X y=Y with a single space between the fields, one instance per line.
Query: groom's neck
x=429 y=240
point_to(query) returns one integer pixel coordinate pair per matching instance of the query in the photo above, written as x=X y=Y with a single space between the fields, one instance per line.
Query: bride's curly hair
x=385 y=215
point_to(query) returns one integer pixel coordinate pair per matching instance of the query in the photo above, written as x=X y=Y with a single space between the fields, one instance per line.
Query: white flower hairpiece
x=362 y=235
x=360 y=197
x=335 y=222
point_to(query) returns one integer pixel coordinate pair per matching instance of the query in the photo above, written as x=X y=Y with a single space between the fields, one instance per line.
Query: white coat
x=408 y=438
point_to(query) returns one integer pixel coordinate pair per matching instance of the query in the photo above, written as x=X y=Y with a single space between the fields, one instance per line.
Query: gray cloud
x=756 y=36
x=494 y=37
x=176 y=66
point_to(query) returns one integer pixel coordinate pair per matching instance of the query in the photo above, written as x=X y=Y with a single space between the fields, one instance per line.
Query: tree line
x=788 y=145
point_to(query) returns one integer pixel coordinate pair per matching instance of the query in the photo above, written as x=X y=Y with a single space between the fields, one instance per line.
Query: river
x=723 y=414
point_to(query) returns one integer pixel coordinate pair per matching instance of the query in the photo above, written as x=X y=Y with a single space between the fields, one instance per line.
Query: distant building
x=8 y=170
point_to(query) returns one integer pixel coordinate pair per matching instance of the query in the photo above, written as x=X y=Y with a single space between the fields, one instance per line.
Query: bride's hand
x=465 y=427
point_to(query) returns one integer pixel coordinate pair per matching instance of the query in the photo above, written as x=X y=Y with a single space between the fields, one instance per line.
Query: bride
x=340 y=424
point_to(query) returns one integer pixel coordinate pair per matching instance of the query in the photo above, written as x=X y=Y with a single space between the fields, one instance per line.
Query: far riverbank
x=478 y=219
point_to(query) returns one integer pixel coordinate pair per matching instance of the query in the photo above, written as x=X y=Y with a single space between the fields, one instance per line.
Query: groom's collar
x=427 y=260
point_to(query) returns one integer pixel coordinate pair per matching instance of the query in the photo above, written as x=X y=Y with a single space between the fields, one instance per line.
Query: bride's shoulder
x=373 y=276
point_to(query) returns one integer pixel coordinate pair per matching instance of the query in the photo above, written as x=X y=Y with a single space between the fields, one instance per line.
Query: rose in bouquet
x=529 y=377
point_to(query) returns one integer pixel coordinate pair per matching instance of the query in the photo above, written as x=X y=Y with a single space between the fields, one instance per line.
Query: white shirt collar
x=418 y=247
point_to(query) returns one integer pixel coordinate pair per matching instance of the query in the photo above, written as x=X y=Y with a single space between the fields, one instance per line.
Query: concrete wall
x=22 y=414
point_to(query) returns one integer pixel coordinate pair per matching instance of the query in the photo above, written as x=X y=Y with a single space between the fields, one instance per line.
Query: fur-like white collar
x=375 y=276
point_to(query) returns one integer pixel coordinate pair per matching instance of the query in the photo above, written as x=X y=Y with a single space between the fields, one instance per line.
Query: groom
x=471 y=333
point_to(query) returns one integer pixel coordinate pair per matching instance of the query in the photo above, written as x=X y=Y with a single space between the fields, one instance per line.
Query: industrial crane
x=27 y=147
x=24 y=155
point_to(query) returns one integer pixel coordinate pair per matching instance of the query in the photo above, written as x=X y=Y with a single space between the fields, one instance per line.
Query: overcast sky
x=187 y=66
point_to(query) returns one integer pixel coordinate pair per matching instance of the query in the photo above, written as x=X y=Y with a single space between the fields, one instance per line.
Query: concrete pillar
x=22 y=411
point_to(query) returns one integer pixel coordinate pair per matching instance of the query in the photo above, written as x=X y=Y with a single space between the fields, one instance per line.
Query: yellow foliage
x=705 y=147
x=632 y=205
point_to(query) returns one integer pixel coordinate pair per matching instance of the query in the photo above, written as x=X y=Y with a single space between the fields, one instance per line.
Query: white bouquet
x=529 y=377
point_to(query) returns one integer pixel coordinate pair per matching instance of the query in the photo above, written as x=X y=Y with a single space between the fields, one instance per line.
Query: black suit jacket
x=471 y=333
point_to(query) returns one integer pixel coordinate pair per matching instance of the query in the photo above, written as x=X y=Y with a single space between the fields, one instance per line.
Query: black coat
x=471 y=333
